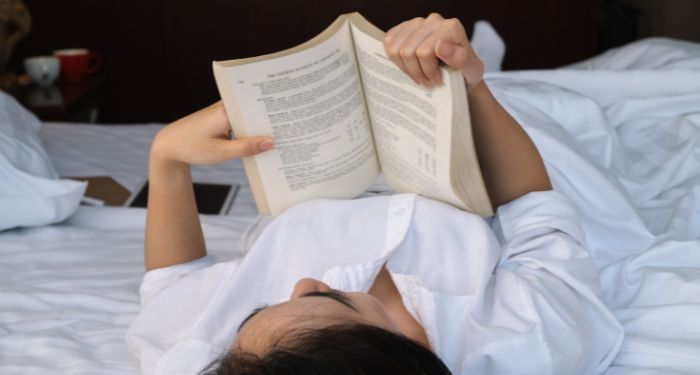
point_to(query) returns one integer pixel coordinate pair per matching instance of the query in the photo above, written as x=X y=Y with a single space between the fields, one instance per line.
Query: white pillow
x=30 y=192
x=488 y=45
x=646 y=54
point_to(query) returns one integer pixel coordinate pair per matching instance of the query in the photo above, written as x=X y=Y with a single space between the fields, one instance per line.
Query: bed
x=620 y=135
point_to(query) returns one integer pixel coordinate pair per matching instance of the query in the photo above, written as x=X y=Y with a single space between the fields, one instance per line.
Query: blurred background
x=156 y=54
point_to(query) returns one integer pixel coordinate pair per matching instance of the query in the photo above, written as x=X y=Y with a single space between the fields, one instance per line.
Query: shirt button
x=400 y=211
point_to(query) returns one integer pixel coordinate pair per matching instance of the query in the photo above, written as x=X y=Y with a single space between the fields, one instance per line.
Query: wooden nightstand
x=69 y=102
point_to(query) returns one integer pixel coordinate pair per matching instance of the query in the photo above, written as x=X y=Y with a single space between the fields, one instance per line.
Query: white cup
x=43 y=69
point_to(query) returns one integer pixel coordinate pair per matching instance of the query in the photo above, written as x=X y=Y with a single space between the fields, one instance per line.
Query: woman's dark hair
x=347 y=349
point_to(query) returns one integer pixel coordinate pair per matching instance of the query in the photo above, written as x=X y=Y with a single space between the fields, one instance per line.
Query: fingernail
x=445 y=49
x=265 y=144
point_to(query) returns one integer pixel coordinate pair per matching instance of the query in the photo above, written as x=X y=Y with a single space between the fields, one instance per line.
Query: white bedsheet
x=636 y=182
x=69 y=291
x=624 y=145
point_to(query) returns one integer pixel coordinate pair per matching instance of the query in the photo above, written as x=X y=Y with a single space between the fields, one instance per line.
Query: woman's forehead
x=273 y=323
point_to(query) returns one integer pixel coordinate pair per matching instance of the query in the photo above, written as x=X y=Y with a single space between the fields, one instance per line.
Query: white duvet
x=624 y=143
x=620 y=135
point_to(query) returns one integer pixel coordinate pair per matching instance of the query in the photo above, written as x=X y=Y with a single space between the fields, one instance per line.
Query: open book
x=340 y=112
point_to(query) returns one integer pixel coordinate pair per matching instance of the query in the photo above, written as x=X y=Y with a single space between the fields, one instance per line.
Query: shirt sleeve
x=158 y=279
x=173 y=301
x=254 y=230
x=556 y=282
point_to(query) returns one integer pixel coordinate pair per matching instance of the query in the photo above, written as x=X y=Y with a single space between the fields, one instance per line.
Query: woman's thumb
x=250 y=146
x=463 y=59
x=452 y=54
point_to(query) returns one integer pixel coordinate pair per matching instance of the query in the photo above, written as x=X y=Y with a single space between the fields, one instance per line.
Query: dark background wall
x=672 y=18
x=158 y=53
x=621 y=21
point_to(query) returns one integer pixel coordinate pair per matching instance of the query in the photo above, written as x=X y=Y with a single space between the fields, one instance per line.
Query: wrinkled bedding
x=620 y=138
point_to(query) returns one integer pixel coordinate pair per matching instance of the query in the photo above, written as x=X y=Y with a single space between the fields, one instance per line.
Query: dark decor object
x=15 y=23
x=71 y=102
x=158 y=53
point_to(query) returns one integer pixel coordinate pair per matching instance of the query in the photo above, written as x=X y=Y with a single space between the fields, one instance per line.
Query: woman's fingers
x=428 y=61
x=204 y=137
x=425 y=49
x=395 y=38
x=401 y=43
x=410 y=46
x=417 y=46
x=409 y=49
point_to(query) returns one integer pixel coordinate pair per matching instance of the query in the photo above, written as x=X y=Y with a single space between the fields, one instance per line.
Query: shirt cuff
x=535 y=213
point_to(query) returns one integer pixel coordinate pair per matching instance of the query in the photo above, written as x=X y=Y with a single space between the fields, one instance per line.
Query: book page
x=412 y=125
x=311 y=103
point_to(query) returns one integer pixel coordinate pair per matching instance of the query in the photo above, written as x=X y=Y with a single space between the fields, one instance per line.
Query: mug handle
x=95 y=63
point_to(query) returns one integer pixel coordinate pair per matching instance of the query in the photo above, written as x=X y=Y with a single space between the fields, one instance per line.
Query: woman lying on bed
x=387 y=284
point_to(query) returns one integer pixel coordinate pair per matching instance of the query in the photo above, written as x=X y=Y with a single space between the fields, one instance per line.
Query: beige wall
x=672 y=18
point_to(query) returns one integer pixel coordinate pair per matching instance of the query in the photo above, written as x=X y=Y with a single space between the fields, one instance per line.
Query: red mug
x=77 y=63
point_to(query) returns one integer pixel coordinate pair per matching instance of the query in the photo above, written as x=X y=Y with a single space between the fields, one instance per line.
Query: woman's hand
x=204 y=137
x=510 y=162
x=416 y=45
x=173 y=232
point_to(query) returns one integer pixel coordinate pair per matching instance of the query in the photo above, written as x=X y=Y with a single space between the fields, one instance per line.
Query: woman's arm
x=173 y=232
x=510 y=162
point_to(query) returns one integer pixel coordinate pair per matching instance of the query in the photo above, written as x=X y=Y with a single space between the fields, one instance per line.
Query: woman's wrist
x=474 y=74
x=477 y=90
x=161 y=161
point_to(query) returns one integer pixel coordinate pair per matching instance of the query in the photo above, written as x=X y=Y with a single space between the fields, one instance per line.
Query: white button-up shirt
x=515 y=295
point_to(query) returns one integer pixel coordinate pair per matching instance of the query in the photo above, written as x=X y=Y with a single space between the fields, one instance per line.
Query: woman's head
x=321 y=331
x=344 y=349
x=312 y=305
